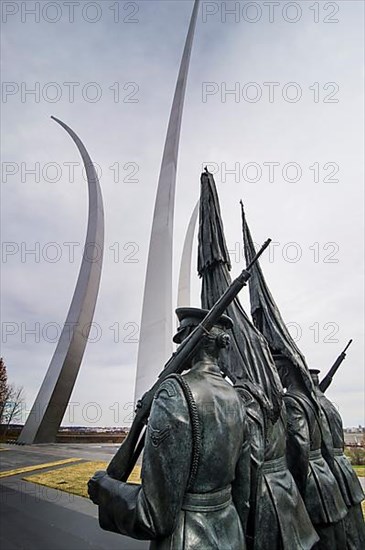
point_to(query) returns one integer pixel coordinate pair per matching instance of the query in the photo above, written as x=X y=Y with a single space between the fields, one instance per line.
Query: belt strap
x=315 y=455
x=337 y=451
x=275 y=465
x=207 y=502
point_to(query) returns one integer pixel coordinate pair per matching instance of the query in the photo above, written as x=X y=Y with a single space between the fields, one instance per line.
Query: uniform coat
x=278 y=519
x=347 y=479
x=195 y=469
x=311 y=472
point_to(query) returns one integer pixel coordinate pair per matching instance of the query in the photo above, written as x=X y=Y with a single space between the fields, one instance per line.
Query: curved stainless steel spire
x=155 y=345
x=50 y=405
x=184 y=288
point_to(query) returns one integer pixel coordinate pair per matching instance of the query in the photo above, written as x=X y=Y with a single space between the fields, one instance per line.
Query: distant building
x=354 y=437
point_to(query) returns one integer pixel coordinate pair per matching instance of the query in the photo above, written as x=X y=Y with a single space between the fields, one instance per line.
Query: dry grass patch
x=73 y=479
x=360 y=470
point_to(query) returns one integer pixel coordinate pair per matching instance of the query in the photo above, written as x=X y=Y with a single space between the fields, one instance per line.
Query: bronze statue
x=311 y=472
x=348 y=482
x=195 y=471
x=306 y=432
x=278 y=518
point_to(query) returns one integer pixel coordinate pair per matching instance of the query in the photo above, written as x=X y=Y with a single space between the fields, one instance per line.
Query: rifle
x=327 y=380
x=127 y=455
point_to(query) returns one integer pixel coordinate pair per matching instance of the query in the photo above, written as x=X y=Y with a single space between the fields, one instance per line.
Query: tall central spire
x=155 y=345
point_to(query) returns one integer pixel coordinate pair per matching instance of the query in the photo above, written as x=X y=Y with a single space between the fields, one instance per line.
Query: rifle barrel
x=327 y=380
x=347 y=347
x=125 y=458
x=256 y=257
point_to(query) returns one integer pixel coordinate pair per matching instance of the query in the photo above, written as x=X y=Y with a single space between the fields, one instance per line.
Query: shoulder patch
x=158 y=436
x=244 y=395
x=167 y=386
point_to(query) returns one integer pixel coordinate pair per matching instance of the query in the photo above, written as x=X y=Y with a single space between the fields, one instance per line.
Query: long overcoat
x=195 y=471
x=347 y=479
x=278 y=519
x=316 y=482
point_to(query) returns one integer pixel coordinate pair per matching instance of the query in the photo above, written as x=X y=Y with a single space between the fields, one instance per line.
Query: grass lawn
x=73 y=479
x=360 y=470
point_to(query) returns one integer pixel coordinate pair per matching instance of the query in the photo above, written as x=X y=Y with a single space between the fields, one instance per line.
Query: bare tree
x=13 y=407
x=4 y=388
x=11 y=400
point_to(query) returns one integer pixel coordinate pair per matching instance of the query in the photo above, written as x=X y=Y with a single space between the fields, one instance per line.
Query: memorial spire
x=51 y=402
x=155 y=342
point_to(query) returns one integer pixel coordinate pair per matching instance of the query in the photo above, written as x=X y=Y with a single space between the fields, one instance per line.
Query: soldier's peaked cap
x=192 y=316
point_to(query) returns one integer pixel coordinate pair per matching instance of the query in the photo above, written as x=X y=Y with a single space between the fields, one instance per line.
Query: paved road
x=35 y=522
x=34 y=517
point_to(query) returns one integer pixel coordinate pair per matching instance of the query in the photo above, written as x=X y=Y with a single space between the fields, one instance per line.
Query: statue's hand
x=94 y=486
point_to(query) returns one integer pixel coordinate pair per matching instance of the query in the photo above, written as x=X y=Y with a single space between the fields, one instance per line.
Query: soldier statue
x=311 y=472
x=195 y=471
x=278 y=519
x=347 y=479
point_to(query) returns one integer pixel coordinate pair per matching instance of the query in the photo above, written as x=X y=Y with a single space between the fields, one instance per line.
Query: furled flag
x=266 y=315
x=249 y=358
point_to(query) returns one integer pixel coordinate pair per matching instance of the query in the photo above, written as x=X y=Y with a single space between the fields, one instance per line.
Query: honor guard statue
x=347 y=479
x=278 y=519
x=196 y=461
x=315 y=481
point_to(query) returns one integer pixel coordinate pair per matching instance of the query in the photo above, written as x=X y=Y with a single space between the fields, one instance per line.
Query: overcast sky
x=292 y=130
